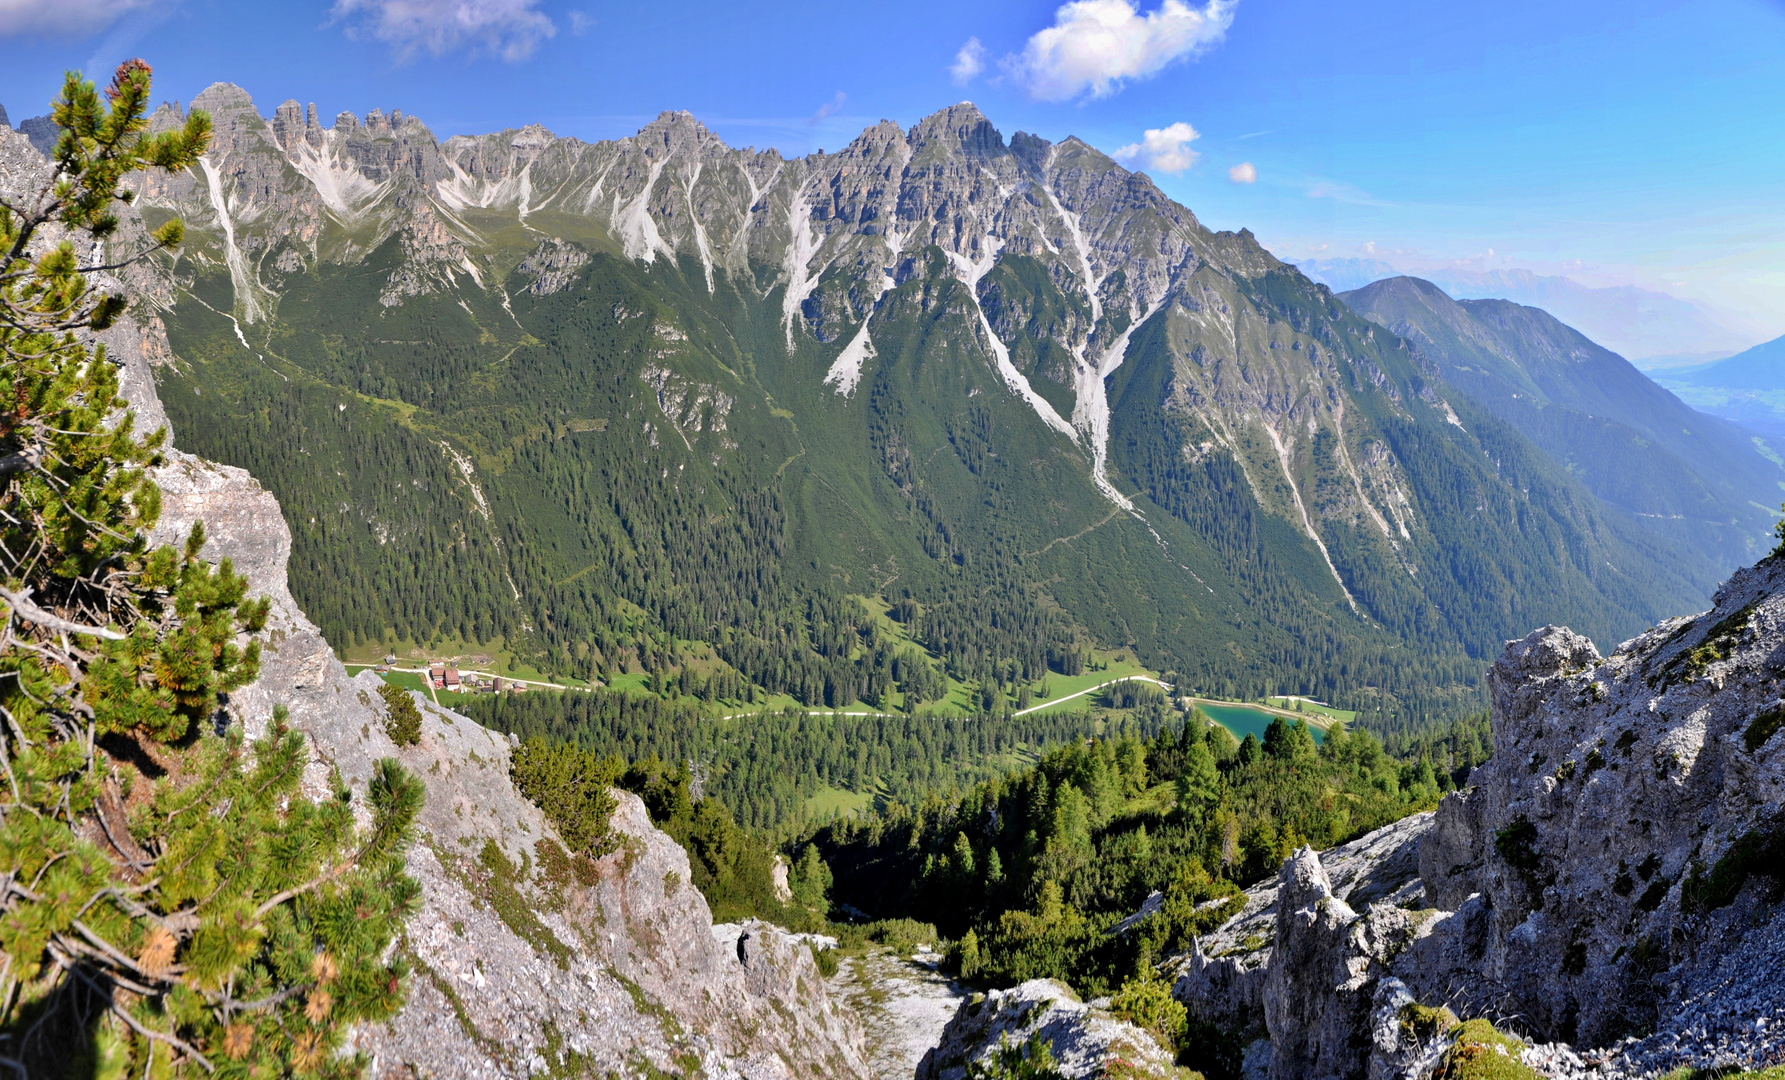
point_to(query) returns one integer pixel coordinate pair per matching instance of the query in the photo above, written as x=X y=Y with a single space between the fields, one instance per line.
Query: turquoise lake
x=1244 y=720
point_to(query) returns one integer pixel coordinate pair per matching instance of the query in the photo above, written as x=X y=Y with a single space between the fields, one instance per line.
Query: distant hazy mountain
x=1343 y=275
x=1636 y=323
x=1693 y=478
x=1760 y=368
x=1748 y=388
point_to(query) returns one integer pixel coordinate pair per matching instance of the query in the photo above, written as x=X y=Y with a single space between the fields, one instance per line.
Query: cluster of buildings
x=442 y=676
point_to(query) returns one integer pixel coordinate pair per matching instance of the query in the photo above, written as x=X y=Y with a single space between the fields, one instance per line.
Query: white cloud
x=1243 y=173
x=511 y=29
x=1165 y=150
x=73 y=18
x=581 y=22
x=1341 y=193
x=829 y=108
x=1095 y=44
x=968 y=63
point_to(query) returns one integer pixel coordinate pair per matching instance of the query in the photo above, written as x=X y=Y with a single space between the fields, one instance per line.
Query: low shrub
x=571 y=786
x=1032 y=1060
x=402 y=720
x=1481 y=1052
x=1146 y=1002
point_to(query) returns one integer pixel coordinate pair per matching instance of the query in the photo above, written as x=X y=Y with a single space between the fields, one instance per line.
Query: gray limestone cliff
x=1609 y=881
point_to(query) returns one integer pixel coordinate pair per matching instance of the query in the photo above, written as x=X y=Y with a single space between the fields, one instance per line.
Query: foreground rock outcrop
x=525 y=959
x=1610 y=880
x=1086 y=1041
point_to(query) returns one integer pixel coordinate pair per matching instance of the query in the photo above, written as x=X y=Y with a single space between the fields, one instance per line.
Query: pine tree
x=402 y=721
x=170 y=903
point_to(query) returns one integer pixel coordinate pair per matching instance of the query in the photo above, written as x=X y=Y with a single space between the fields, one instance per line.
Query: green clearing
x=830 y=802
x=633 y=682
x=1060 y=688
x=406 y=680
x=1310 y=709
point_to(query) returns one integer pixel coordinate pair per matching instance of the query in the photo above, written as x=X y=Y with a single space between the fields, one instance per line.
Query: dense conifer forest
x=612 y=474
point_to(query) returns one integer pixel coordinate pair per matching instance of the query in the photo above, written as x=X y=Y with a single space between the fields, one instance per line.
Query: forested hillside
x=1703 y=485
x=767 y=769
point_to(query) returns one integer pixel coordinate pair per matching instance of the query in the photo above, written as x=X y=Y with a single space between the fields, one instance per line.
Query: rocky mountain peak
x=222 y=99
x=289 y=124
x=678 y=132
x=532 y=139
x=958 y=129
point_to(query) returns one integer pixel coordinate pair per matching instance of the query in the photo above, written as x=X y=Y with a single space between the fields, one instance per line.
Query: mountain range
x=608 y=405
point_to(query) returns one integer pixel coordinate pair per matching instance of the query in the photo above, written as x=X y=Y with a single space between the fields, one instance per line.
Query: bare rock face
x=1313 y=996
x=905 y=1004
x=1085 y=1040
x=1626 y=836
x=552 y=266
x=1611 y=878
x=1227 y=978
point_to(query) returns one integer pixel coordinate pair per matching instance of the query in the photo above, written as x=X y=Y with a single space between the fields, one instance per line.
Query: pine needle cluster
x=170 y=901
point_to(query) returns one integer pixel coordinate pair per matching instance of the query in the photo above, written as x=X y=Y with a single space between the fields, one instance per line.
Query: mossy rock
x=1423 y=1022
x=1480 y=1052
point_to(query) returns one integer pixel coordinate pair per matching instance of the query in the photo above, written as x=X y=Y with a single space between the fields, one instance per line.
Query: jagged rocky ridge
x=1608 y=884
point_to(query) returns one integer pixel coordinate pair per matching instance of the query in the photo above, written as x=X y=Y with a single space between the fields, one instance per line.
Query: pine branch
x=148 y=1033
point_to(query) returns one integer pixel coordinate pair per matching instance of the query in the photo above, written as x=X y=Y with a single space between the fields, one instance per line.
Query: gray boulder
x=1085 y=1040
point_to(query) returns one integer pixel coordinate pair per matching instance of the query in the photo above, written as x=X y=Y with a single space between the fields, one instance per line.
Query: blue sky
x=1638 y=142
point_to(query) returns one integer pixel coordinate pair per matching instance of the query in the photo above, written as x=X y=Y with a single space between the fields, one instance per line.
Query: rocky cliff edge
x=526 y=961
x=1607 y=887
